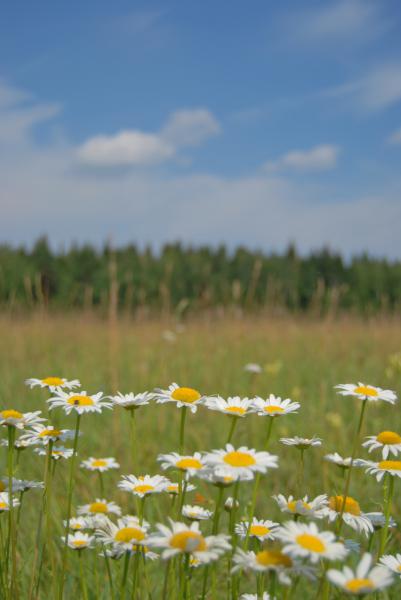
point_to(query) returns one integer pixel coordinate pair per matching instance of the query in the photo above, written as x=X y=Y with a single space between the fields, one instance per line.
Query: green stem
x=106 y=558
x=182 y=429
x=215 y=528
x=124 y=577
x=388 y=501
x=166 y=579
x=133 y=440
x=234 y=421
x=84 y=589
x=12 y=532
x=101 y=484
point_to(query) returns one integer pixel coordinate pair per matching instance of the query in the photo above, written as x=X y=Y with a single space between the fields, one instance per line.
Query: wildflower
x=100 y=464
x=20 y=485
x=5 y=501
x=183 y=539
x=100 y=506
x=312 y=509
x=389 y=442
x=379 y=469
x=196 y=513
x=301 y=443
x=233 y=406
x=366 y=392
x=393 y=563
x=265 y=596
x=190 y=464
x=127 y=533
x=14 y=418
x=221 y=476
x=174 y=488
x=363 y=580
x=182 y=396
x=131 y=401
x=259 y=528
x=58 y=452
x=265 y=560
x=304 y=540
x=274 y=406
x=352 y=514
x=79 y=540
x=378 y=520
x=143 y=485
x=343 y=463
x=78 y=523
x=43 y=434
x=253 y=368
x=19 y=444
x=243 y=461
x=230 y=503
x=53 y=383
x=81 y=402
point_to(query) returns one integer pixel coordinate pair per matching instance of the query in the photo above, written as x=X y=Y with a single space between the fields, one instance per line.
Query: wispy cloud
x=319 y=158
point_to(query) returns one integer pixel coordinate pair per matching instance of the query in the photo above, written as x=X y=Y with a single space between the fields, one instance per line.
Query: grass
x=311 y=357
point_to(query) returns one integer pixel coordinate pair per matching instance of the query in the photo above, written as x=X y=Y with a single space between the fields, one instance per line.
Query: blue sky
x=256 y=123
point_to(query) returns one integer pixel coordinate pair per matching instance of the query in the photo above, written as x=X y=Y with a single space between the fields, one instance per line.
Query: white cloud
x=190 y=127
x=319 y=158
x=395 y=137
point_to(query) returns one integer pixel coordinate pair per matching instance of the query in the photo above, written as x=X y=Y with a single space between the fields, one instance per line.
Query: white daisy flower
x=352 y=514
x=230 y=503
x=78 y=523
x=304 y=540
x=20 y=485
x=19 y=444
x=243 y=461
x=196 y=513
x=379 y=469
x=128 y=532
x=116 y=552
x=100 y=506
x=79 y=540
x=378 y=520
x=183 y=539
x=131 y=401
x=301 y=443
x=262 y=561
x=14 y=418
x=259 y=528
x=274 y=406
x=366 y=392
x=235 y=406
x=351 y=545
x=312 y=509
x=43 y=434
x=174 y=488
x=363 y=580
x=265 y=596
x=58 y=452
x=182 y=396
x=100 y=464
x=393 y=563
x=190 y=464
x=143 y=485
x=80 y=402
x=5 y=501
x=53 y=383
x=389 y=442
x=338 y=460
x=253 y=368
x=221 y=476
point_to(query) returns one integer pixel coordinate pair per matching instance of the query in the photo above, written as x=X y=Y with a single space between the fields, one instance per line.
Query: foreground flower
x=366 y=392
x=183 y=539
x=43 y=434
x=306 y=541
x=233 y=406
x=221 y=476
x=182 y=396
x=352 y=514
x=5 y=501
x=389 y=442
x=337 y=459
x=363 y=580
x=79 y=540
x=58 y=452
x=190 y=464
x=243 y=461
x=131 y=401
x=274 y=406
x=265 y=560
x=13 y=418
x=196 y=513
x=80 y=402
x=379 y=469
x=100 y=506
x=127 y=533
x=312 y=509
x=100 y=464
x=392 y=562
x=259 y=528
x=301 y=443
x=378 y=520
x=52 y=383
x=143 y=485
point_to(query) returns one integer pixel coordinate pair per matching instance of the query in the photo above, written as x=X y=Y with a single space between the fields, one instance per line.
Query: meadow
x=301 y=358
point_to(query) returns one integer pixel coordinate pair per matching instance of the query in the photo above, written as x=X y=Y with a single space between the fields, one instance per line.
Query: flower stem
x=106 y=558
x=12 y=532
x=215 y=528
x=234 y=421
x=133 y=440
x=124 y=577
x=182 y=429
x=101 y=484
x=82 y=576
x=388 y=502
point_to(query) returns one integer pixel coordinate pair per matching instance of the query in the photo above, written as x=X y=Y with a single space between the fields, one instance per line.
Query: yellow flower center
x=394 y=465
x=143 y=489
x=173 y=489
x=311 y=543
x=11 y=414
x=293 y=505
x=268 y=558
x=273 y=409
x=53 y=381
x=258 y=530
x=366 y=390
x=80 y=400
x=127 y=534
x=356 y=585
x=186 y=394
x=239 y=410
x=98 y=507
x=76 y=526
x=188 y=541
x=239 y=459
x=388 y=437
x=99 y=462
x=3 y=505
x=50 y=433
x=79 y=543
x=351 y=506
x=189 y=463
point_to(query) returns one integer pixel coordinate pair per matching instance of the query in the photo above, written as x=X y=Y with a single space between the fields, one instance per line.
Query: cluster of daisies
x=306 y=546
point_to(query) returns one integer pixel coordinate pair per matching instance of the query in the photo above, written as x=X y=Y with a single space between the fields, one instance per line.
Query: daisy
x=131 y=401
x=378 y=520
x=183 y=539
x=81 y=402
x=265 y=596
x=5 y=501
x=392 y=562
x=78 y=523
x=100 y=464
x=363 y=580
x=259 y=528
x=352 y=514
x=20 y=485
x=143 y=485
x=379 y=469
x=221 y=476
x=230 y=503
x=312 y=509
x=265 y=560
x=304 y=540
x=196 y=513
x=127 y=533
x=174 y=488
x=301 y=443
x=14 y=418
x=190 y=464
x=58 y=452
x=19 y=444
x=243 y=461
x=182 y=396
x=53 y=383
x=366 y=392
x=43 y=434
x=337 y=459
x=253 y=368
x=79 y=540
x=100 y=506
x=274 y=406
x=233 y=406
x=389 y=442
